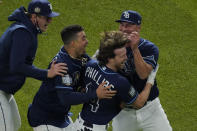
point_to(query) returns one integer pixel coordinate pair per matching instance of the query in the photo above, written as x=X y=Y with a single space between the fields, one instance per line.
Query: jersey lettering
x=94 y=103
x=98 y=78
x=95 y=76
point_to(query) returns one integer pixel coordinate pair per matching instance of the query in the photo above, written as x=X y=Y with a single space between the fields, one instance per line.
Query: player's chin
x=122 y=66
x=44 y=29
x=82 y=52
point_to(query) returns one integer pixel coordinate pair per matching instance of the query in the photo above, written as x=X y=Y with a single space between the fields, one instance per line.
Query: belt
x=85 y=123
x=90 y=125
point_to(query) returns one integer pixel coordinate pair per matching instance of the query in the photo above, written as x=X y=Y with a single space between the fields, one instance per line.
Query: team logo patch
x=126 y=14
x=84 y=61
x=132 y=92
x=67 y=80
x=37 y=10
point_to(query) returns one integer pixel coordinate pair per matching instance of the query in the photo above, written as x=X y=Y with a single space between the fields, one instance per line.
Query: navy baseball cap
x=131 y=17
x=41 y=7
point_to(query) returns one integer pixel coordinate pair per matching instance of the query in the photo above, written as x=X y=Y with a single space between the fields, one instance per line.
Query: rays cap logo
x=41 y=7
x=130 y=17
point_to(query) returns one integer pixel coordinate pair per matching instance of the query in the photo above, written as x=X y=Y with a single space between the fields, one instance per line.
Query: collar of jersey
x=107 y=70
x=64 y=52
x=142 y=41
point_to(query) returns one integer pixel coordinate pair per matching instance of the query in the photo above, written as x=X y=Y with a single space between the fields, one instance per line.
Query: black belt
x=90 y=125
x=87 y=124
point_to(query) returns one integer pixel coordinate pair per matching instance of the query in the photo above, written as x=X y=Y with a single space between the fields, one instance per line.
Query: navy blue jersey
x=52 y=102
x=102 y=111
x=150 y=54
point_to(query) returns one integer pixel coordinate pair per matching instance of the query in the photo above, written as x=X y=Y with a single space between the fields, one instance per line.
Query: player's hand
x=57 y=69
x=104 y=92
x=134 y=38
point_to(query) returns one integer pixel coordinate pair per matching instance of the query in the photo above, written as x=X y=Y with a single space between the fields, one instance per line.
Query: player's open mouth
x=123 y=64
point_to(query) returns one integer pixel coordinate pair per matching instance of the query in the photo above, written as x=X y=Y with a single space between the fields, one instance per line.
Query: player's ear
x=110 y=60
x=72 y=43
x=33 y=18
x=138 y=28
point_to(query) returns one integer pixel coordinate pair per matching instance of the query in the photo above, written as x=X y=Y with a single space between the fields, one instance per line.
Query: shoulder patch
x=67 y=80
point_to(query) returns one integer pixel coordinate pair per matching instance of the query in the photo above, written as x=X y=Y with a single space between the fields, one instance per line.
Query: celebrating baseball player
x=18 y=47
x=142 y=58
x=97 y=113
x=50 y=108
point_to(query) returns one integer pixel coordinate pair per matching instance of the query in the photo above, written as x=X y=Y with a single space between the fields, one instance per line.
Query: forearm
x=22 y=56
x=31 y=71
x=142 y=68
x=74 y=98
x=142 y=97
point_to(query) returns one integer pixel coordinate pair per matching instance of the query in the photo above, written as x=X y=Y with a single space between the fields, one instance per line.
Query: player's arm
x=143 y=65
x=19 y=53
x=143 y=69
x=68 y=96
x=143 y=96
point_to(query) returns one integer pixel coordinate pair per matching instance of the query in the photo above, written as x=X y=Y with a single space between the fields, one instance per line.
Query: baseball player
x=18 y=46
x=51 y=104
x=97 y=113
x=142 y=58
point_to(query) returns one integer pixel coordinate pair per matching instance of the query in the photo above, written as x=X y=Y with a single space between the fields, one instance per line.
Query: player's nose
x=86 y=42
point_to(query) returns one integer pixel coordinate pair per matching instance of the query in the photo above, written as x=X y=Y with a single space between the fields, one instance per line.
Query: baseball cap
x=41 y=7
x=131 y=17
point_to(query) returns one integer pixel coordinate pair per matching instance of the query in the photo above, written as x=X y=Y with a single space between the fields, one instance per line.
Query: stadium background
x=170 y=24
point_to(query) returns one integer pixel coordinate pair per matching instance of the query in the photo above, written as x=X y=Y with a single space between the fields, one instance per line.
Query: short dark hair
x=109 y=42
x=69 y=33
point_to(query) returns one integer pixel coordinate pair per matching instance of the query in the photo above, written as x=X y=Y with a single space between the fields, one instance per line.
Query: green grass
x=170 y=24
